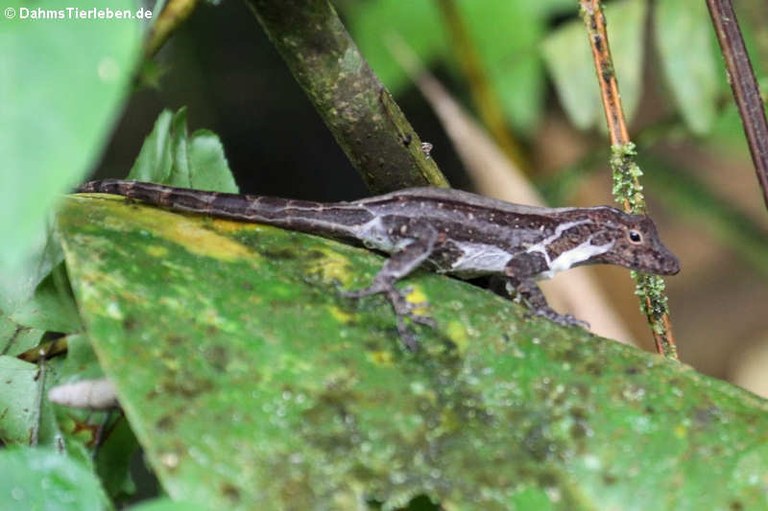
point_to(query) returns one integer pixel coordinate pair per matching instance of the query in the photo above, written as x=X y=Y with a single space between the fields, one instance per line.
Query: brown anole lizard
x=451 y=231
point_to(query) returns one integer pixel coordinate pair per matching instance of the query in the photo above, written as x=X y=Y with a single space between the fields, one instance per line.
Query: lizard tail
x=308 y=216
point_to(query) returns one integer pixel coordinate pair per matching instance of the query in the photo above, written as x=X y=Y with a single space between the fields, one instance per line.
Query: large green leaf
x=24 y=415
x=45 y=480
x=16 y=339
x=251 y=384
x=165 y=504
x=62 y=83
x=51 y=307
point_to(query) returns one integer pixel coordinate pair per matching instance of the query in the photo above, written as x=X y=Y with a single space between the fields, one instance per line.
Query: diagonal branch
x=362 y=115
x=744 y=86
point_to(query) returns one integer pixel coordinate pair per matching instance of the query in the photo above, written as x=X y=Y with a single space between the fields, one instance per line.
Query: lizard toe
x=361 y=293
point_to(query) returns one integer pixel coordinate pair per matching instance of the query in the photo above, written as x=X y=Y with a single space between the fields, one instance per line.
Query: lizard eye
x=635 y=236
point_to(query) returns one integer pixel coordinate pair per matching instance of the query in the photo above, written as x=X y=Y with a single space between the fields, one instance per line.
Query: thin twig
x=744 y=86
x=37 y=411
x=173 y=15
x=592 y=12
x=626 y=173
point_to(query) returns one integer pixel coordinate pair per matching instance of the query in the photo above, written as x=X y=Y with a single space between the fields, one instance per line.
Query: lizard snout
x=667 y=262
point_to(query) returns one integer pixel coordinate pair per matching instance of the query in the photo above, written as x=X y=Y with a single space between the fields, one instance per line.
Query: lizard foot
x=404 y=311
x=561 y=319
x=527 y=293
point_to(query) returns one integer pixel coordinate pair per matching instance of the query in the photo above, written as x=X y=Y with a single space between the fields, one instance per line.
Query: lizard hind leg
x=399 y=265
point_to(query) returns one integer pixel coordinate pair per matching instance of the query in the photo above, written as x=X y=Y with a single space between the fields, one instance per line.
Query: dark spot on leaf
x=312 y=254
x=706 y=416
x=218 y=358
x=188 y=387
x=537 y=444
x=579 y=431
x=594 y=368
x=609 y=479
x=231 y=493
x=165 y=423
x=632 y=370
x=282 y=253
x=582 y=390
x=174 y=340
x=548 y=479
x=129 y=323
x=574 y=356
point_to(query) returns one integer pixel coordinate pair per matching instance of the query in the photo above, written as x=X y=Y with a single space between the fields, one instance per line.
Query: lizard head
x=635 y=243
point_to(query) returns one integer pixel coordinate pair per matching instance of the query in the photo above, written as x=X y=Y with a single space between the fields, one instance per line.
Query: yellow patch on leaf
x=184 y=230
x=341 y=315
x=332 y=267
x=417 y=297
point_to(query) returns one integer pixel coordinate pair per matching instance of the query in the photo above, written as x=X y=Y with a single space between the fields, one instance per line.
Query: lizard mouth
x=668 y=264
x=672 y=268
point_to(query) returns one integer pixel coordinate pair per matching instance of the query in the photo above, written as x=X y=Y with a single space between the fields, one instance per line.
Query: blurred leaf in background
x=568 y=58
x=170 y=155
x=44 y=479
x=692 y=76
x=62 y=85
x=506 y=34
x=514 y=38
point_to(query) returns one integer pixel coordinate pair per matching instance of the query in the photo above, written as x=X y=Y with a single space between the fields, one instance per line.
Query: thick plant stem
x=359 y=111
x=626 y=173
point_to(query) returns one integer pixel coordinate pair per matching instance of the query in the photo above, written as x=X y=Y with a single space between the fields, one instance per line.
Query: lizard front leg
x=399 y=265
x=526 y=291
x=529 y=294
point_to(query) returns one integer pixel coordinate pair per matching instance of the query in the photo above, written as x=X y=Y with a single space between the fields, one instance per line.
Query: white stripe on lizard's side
x=543 y=244
x=574 y=256
x=569 y=258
